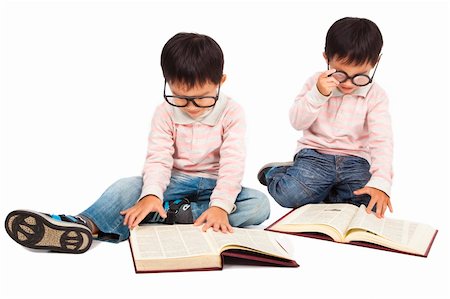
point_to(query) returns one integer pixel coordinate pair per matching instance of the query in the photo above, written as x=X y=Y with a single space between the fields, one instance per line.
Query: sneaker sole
x=262 y=171
x=39 y=231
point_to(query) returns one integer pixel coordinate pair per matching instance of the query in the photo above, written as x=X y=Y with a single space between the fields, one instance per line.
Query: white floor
x=327 y=270
x=79 y=82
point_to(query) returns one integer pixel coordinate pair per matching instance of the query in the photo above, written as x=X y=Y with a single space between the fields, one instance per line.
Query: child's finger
x=138 y=219
x=390 y=206
x=379 y=209
x=333 y=81
x=206 y=226
x=384 y=209
x=230 y=228
x=130 y=220
x=200 y=220
x=133 y=223
x=161 y=211
x=327 y=73
x=370 y=206
x=127 y=216
x=361 y=191
x=224 y=228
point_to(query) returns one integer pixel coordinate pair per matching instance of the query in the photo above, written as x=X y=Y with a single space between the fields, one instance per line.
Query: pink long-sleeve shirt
x=357 y=124
x=211 y=147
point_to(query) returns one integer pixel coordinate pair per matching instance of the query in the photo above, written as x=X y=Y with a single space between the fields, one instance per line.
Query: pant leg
x=182 y=186
x=123 y=194
x=252 y=206
x=200 y=203
x=352 y=174
x=105 y=212
x=308 y=180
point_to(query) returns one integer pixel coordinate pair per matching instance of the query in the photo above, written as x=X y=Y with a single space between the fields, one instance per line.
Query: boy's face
x=351 y=70
x=202 y=94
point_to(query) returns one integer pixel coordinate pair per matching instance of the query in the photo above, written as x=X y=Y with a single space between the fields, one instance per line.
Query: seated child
x=345 y=154
x=193 y=169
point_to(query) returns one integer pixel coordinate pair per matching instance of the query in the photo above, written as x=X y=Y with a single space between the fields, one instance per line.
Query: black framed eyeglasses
x=358 y=79
x=183 y=101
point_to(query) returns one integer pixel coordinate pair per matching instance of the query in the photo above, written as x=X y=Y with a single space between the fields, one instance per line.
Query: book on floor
x=185 y=247
x=347 y=223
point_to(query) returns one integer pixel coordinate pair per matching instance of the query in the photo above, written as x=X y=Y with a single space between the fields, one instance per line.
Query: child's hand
x=135 y=214
x=378 y=198
x=326 y=84
x=216 y=218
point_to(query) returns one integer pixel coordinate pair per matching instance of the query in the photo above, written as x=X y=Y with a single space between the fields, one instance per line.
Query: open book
x=347 y=223
x=161 y=248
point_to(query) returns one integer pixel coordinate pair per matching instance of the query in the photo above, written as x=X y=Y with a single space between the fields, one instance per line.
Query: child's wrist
x=150 y=198
x=322 y=92
x=219 y=209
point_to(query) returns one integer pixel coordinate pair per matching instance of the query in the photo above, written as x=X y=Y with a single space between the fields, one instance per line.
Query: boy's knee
x=292 y=196
x=254 y=210
x=261 y=210
x=126 y=188
x=130 y=182
x=124 y=184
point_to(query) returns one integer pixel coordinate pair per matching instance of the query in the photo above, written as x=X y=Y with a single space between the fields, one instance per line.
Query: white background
x=80 y=81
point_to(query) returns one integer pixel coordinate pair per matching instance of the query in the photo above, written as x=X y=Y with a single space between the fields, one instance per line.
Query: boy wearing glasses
x=193 y=169
x=345 y=154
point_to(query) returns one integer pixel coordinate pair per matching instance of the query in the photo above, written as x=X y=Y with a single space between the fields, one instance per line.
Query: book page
x=390 y=228
x=259 y=240
x=408 y=234
x=338 y=216
x=169 y=241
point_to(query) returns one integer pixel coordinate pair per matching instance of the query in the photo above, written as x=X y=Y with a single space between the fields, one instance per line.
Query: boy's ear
x=224 y=78
x=325 y=57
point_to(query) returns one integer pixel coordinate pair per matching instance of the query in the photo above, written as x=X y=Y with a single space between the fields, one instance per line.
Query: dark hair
x=191 y=59
x=355 y=40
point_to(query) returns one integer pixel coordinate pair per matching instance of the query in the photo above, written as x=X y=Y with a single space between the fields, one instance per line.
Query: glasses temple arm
x=376 y=66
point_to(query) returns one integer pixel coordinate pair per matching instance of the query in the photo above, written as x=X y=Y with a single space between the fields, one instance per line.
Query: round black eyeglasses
x=198 y=101
x=358 y=79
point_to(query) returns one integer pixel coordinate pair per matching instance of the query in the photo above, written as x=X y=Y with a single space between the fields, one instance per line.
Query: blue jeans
x=316 y=178
x=252 y=206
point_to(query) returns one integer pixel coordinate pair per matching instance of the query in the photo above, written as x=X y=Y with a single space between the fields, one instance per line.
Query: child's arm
x=231 y=168
x=157 y=170
x=309 y=102
x=381 y=148
x=159 y=161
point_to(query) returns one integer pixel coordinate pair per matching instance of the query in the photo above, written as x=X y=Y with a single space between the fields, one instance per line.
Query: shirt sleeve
x=307 y=105
x=159 y=161
x=232 y=160
x=380 y=142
